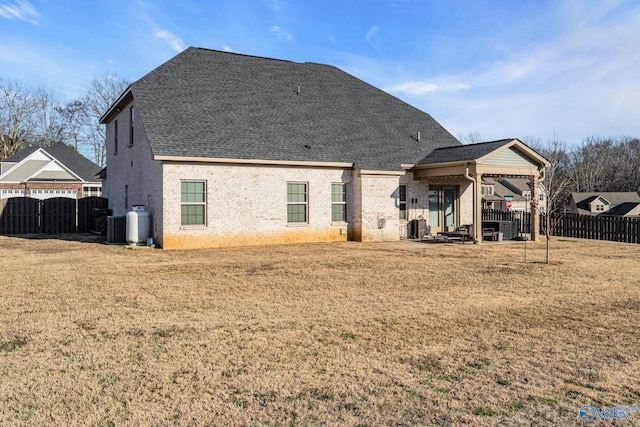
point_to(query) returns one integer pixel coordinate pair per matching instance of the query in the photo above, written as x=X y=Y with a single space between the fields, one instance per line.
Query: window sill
x=193 y=227
x=339 y=224
x=297 y=224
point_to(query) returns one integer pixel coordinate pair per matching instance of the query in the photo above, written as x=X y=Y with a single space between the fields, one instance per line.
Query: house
x=605 y=204
x=227 y=149
x=47 y=172
x=510 y=194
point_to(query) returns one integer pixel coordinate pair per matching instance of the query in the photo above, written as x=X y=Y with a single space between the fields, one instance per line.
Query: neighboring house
x=228 y=149
x=43 y=173
x=605 y=204
x=497 y=192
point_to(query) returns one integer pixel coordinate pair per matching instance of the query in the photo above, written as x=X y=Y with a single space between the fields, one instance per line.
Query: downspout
x=473 y=198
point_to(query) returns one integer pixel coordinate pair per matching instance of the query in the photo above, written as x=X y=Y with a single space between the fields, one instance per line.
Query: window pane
x=296 y=213
x=403 y=193
x=193 y=214
x=338 y=213
x=296 y=193
x=192 y=192
x=338 y=193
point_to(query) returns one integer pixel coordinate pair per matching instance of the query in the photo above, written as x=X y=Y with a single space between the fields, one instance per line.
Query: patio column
x=535 y=213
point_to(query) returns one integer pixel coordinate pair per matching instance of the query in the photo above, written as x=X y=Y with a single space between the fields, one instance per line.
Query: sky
x=528 y=69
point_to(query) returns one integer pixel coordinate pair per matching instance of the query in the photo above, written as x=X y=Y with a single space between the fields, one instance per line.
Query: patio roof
x=509 y=157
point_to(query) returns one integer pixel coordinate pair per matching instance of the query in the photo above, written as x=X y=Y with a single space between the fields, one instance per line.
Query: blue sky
x=569 y=68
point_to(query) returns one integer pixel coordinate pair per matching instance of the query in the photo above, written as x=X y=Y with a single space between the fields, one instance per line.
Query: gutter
x=475 y=207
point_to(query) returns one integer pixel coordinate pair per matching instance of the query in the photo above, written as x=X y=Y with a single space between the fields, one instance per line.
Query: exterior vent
x=116 y=230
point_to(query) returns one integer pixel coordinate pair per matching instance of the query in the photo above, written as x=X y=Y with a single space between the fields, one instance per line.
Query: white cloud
x=172 y=40
x=282 y=35
x=227 y=48
x=577 y=82
x=21 y=9
x=371 y=34
x=421 y=88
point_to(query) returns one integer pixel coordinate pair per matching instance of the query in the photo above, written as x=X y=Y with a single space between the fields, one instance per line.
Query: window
x=115 y=137
x=297 y=202
x=338 y=203
x=486 y=190
x=91 y=191
x=131 y=117
x=527 y=195
x=402 y=201
x=600 y=208
x=193 y=202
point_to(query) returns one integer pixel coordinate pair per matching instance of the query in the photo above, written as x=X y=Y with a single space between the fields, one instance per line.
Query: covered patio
x=454 y=177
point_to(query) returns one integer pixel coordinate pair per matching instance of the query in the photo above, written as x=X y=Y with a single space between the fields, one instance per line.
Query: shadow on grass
x=69 y=237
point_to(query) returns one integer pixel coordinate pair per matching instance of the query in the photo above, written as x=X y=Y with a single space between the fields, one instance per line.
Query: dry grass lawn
x=335 y=334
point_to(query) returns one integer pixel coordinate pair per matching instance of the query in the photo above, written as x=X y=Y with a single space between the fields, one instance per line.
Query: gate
x=24 y=215
x=19 y=215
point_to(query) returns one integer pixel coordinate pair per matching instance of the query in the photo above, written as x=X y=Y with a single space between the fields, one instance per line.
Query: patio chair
x=489 y=234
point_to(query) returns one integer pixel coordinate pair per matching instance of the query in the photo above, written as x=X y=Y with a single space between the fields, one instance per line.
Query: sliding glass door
x=442 y=208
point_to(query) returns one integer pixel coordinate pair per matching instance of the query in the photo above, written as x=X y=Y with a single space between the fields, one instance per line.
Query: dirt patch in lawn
x=344 y=333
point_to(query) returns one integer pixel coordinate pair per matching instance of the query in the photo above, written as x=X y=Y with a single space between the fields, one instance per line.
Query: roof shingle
x=211 y=104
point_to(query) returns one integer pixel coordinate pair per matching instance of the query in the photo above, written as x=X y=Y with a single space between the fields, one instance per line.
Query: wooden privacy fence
x=611 y=228
x=24 y=215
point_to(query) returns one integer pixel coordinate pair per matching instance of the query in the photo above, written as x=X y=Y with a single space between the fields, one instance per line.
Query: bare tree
x=49 y=124
x=556 y=184
x=76 y=120
x=17 y=110
x=100 y=94
x=470 y=138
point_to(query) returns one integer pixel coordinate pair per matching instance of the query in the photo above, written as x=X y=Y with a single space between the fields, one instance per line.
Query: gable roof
x=620 y=202
x=62 y=155
x=623 y=209
x=615 y=198
x=463 y=153
x=219 y=105
x=516 y=185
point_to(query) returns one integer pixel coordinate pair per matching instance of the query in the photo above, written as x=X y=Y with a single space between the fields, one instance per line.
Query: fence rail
x=523 y=218
x=24 y=215
x=610 y=228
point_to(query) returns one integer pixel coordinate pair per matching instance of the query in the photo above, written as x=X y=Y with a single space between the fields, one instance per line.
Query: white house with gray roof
x=605 y=204
x=226 y=149
x=48 y=172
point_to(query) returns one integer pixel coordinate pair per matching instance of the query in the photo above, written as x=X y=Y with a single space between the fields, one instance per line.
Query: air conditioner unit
x=116 y=230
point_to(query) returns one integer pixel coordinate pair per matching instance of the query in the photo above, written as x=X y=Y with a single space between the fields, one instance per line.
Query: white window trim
x=400 y=203
x=306 y=203
x=206 y=219
x=345 y=222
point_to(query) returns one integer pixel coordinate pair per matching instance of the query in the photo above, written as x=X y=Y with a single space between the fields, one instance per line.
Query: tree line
x=597 y=164
x=40 y=117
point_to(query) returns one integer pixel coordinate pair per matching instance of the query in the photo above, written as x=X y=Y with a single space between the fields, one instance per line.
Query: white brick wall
x=380 y=218
x=247 y=204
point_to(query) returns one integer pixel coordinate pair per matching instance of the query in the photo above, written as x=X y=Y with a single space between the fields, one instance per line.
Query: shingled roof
x=69 y=157
x=463 y=153
x=211 y=104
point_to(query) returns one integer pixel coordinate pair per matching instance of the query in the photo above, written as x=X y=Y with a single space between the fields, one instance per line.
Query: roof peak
x=204 y=49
